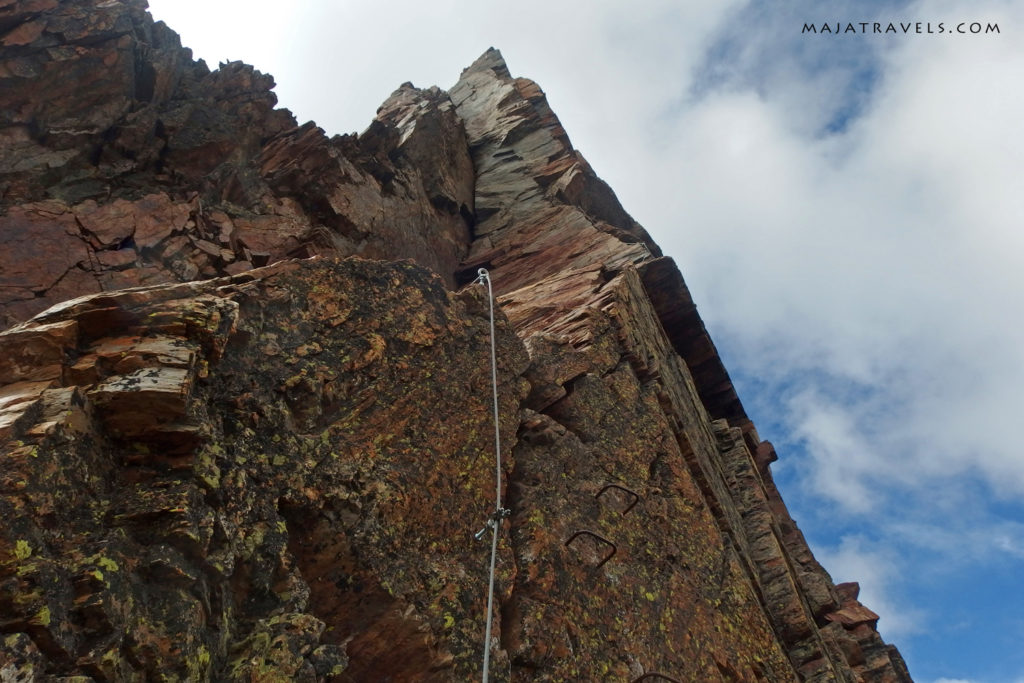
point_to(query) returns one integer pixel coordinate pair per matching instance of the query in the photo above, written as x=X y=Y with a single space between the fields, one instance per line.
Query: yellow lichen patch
x=199 y=666
x=42 y=617
x=107 y=564
x=22 y=550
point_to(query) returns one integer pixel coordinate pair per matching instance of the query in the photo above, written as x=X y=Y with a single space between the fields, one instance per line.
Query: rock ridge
x=241 y=416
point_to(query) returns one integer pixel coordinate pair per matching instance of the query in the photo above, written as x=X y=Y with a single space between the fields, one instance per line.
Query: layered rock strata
x=265 y=477
x=275 y=474
x=575 y=272
x=123 y=162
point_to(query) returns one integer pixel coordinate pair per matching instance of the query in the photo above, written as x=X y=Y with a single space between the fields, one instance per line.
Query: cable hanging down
x=500 y=513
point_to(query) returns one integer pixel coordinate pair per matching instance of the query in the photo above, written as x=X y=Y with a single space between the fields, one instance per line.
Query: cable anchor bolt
x=493 y=521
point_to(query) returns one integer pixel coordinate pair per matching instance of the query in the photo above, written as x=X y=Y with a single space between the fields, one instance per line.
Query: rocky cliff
x=245 y=408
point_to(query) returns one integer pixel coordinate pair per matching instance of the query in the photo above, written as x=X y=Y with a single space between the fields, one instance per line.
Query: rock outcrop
x=257 y=465
x=123 y=162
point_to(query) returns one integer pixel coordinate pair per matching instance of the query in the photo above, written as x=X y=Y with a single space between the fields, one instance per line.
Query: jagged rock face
x=275 y=475
x=541 y=210
x=621 y=361
x=123 y=162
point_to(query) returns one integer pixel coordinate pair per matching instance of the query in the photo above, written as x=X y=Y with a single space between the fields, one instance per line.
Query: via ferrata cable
x=500 y=513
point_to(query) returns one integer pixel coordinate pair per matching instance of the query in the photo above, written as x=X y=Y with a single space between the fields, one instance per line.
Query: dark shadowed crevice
x=384 y=641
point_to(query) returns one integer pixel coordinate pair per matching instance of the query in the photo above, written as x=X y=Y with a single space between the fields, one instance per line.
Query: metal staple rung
x=601 y=539
x=636 y=496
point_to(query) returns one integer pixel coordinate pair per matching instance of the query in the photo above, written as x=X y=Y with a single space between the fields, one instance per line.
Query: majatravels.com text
x=922 y=27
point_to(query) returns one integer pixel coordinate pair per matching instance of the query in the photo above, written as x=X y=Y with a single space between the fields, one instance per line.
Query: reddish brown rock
x=539 y=204
x=575 y=271
x=161 y=148
x=276 y=475
x=197 y=532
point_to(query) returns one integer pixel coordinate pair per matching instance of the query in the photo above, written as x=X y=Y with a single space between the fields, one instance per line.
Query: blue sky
x=847 y=211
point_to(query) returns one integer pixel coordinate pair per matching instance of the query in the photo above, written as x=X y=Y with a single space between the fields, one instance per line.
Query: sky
x=846 y=207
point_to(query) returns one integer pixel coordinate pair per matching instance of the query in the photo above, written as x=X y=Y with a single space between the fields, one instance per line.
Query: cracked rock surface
x=123 y=162
x=212 y=494
x=235 y=448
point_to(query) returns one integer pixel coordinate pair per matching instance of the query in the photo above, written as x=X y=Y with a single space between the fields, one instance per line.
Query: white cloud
x=336 y=62
x=889 y=256
x=962 y=539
